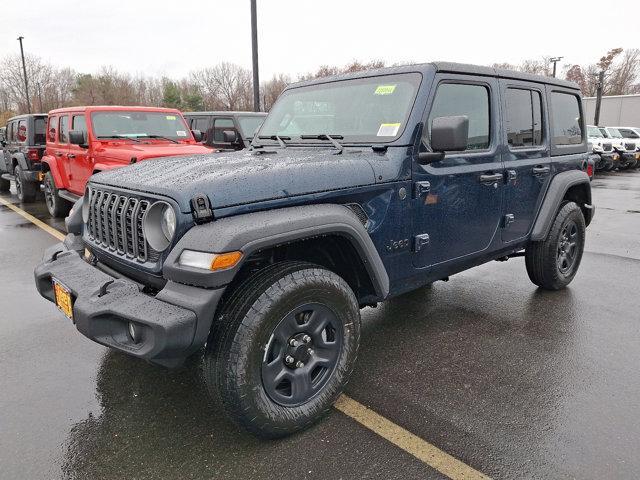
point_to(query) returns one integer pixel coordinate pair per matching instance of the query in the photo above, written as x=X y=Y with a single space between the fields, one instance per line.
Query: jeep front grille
x=115 y=224
x=607 y=147
x=630 y=146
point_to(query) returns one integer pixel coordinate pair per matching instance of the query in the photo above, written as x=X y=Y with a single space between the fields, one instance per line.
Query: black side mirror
x=448 y=134
x=78 y=137
x=197 y=135
x=229 y=136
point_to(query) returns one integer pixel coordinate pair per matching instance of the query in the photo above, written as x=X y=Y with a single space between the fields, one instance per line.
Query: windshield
x=614 y=132
x=594 y=132
x=364 y=110
x=250 y=124
x=136 y=124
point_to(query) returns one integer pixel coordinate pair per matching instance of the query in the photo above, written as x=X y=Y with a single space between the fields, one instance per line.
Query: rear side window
x=63 y=129
x=21 y=134
x=53 y=128
x=79 y=123
x=524 y=117
x=201 y=124
x=470 y=100
x=565 y=117
x=11 y=133
x=39 y=125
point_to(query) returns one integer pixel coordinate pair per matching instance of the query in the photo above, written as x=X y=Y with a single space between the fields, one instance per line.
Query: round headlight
x=168 y=222
x=159 y=224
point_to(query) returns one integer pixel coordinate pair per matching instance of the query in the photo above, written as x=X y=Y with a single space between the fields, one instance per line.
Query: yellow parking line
x=39 y=223
x=395 y=434
x=407 y=441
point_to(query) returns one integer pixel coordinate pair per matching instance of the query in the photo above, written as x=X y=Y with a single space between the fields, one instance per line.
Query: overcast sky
x=160 y=37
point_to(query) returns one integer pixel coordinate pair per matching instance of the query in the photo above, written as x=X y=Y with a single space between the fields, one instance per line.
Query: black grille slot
x=630 y=146
x=607 y=147
x=115 y=224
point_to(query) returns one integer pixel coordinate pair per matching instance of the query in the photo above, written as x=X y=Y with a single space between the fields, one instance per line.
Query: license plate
x=63 y=299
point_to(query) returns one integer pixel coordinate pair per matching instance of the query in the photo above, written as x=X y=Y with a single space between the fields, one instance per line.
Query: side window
x=39 y=125
x=21 y=134
x=219 y=126
x=201 y=123
x=10 y=132
x=565 y=118
x=63 y=129
x=79 y=123
x=53 y=128
x=524 y=117
x=627 y=133
x=462 y=99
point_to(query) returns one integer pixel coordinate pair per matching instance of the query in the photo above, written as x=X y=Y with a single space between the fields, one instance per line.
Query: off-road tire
x=5 y=185
x=233 y=359
x=58 y=207
x=542 y=258
x=25 y=189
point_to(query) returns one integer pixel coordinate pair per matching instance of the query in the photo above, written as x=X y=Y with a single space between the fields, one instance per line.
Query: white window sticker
x=181 y=133
x=171 y=117
x=388 y=129
x=385 y=89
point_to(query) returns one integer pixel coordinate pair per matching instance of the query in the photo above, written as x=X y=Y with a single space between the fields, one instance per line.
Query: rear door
x=79 y=160
x=61 y=149
x=527 y=158
x=458 y=201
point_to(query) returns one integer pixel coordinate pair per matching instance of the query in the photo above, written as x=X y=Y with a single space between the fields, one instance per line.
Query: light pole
x=555 y=60
x=24 y=70
x=599 y=85
x=254 y=52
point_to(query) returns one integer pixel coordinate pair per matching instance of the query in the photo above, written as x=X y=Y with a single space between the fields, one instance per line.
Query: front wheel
x=283 y=347
x=553 y=262
x=58 y=207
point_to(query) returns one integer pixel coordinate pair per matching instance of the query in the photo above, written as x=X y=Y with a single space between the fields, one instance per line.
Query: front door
x=458 y=201
x=527 y=158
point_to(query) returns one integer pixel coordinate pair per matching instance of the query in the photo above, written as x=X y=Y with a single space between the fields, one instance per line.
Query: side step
x=67 y=195
x=8 y=176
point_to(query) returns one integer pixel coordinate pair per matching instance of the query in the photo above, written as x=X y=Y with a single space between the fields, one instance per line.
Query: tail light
x=33 y=154
x=590 y=170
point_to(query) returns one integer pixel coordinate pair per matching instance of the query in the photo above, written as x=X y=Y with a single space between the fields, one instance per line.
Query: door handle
x=58 y=154
x=491 y=178
x=540 y=170
x=71 y=155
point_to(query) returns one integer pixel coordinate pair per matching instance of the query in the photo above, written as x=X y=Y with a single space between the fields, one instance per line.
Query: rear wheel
x=5 y=185
x=553 y=262
x=58 y=207
x=25 y=189
x=283 y=347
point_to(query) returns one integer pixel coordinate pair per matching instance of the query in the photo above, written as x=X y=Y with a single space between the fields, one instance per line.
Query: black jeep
x=225 y=130
x=357 y=188
x=23 y=148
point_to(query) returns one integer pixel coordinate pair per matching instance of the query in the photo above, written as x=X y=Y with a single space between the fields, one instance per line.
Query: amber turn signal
x=225 y=260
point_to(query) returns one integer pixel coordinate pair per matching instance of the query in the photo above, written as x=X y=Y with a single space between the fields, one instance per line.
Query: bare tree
x=226 y=86
x=272 y=89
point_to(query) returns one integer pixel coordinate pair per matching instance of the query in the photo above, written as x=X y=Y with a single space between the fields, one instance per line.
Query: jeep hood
x=243 y=177
x=144 y=151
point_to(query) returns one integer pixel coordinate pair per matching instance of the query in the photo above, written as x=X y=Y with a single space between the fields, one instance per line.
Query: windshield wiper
x=160 y=137
x=331 y=138
x=126 y=137
x=279 y=138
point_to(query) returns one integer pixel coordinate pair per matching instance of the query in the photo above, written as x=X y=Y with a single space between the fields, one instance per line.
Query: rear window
x=565 y=112
x=39 y=135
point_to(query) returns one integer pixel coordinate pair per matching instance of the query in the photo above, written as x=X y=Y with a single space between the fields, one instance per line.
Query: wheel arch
x=572 y=186
x=329 y=235
x=49 y=164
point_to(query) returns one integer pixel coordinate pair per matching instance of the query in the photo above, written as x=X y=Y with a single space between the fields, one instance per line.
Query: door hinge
x=509 y=218
x=420 y=241
x=421 y=188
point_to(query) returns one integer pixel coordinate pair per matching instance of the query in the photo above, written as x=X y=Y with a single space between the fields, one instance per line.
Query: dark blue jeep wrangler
x=356 y=189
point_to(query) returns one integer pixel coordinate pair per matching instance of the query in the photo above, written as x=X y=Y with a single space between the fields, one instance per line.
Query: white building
x=615 y=111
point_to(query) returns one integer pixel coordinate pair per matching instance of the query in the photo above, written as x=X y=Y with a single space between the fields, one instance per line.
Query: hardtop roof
x=90 y=108
x=445 y=67
x=228 y=113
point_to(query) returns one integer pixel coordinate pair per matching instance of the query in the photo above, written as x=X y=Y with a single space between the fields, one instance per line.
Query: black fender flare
x=559 y=186
x=256 y=231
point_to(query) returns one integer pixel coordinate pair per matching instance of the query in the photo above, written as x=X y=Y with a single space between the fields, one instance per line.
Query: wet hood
x=243 y=177
x=143 y=151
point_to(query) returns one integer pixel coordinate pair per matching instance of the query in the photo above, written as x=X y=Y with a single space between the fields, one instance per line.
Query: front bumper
x=628 y=158
x=173 y=324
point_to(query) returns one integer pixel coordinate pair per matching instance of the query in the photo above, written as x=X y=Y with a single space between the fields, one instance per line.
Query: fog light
x=135 y=333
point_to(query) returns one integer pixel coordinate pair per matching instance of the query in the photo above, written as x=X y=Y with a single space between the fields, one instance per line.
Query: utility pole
x=24 y=70
x=254 y=51
x=555 y=60
x=40 y=96
x=599 y=85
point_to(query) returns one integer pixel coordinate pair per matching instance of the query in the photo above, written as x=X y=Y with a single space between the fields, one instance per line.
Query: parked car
x=226 y=130
x=631 y=134
x=22 y=155
x=608 y=159
x=84 y=140
x=626 y=148
x=358 y=188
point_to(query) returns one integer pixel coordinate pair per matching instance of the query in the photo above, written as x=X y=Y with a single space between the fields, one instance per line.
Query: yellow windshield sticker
x=171 y=117
x=388 y=129
x=385 y=89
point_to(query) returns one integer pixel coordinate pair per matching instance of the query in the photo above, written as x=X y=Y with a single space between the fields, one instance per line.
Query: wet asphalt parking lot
x=513 y=381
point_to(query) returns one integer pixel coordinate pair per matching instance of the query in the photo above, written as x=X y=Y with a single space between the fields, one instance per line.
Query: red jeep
x=84 y=140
